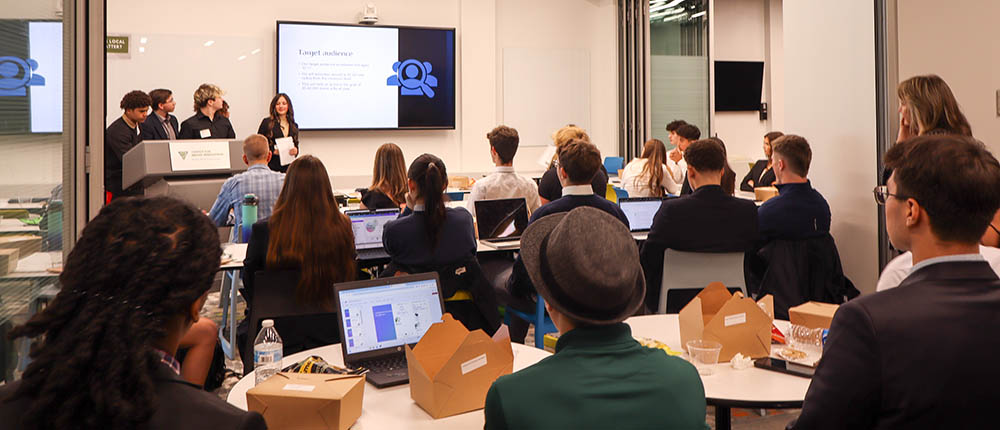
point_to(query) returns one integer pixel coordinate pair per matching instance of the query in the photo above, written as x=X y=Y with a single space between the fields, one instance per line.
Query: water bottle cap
x=267 y=323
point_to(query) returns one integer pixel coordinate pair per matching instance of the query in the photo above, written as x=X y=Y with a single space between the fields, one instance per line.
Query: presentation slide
x=359 y=77
x=31 y=69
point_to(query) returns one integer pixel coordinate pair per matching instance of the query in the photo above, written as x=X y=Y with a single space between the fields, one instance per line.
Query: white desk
x=391 y=408
x=728 y=387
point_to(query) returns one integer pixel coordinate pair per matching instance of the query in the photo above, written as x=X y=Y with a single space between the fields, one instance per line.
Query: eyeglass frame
x=881 y=194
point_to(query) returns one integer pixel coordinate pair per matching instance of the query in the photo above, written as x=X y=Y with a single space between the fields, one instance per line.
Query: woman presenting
x=280 y=123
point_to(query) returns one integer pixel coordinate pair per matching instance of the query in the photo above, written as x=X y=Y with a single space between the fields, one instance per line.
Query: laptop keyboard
x=372 y=254
x=385 y=364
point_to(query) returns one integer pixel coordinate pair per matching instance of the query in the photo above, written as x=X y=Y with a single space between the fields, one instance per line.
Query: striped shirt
x=258 y=180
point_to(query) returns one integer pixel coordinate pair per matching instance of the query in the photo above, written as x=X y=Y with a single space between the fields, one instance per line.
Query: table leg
x=723 y=418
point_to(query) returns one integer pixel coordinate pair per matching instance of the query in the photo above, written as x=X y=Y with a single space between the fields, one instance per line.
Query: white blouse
x=637 y=184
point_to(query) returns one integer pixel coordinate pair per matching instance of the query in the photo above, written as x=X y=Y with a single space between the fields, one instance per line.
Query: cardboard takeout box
x=451 y=368
x=813 y=314
x=738 y=323
x=308 y=400
x=763 y=194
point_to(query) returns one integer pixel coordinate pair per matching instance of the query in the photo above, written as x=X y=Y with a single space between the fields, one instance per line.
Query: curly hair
x=140 y=263
x=135 y=99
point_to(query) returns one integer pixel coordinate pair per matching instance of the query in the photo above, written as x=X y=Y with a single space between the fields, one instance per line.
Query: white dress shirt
x=678 y=170
x=901 y=267
x=637 y=184
x=504 y=184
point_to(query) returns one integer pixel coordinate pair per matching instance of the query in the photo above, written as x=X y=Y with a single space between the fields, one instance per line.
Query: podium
x=191 y=170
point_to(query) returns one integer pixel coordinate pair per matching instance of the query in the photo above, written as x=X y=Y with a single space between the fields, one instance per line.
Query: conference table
x=727 y=388
x=390 y=408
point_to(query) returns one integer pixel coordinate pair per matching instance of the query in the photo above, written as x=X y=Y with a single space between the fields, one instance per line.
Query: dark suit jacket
x=180 y=405
x=408 y=244
x=708 y=220
x=755 y=175
x=273 y=131
x=256 y=258
x=152 y=130
x=918 y=356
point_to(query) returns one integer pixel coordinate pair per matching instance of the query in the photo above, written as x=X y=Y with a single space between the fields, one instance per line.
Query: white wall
x=964 y=53
x=830 y=100
x=483 y=28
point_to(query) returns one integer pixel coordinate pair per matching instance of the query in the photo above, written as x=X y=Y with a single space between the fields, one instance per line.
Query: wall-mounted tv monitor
x=31 y=73
x=350 y=77
x=738 y=85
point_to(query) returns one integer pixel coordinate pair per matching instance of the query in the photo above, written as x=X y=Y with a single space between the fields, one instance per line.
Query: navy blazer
x=919 y=356
x=797 y=212
x=708 y=220
x=150 y=129
x=759 y=168
x=408 y=244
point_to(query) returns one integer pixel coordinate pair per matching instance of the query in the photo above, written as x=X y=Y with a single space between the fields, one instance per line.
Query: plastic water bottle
x=267 y=352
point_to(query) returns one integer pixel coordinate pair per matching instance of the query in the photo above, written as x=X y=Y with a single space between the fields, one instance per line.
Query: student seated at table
x=647 y=175
x=708 y=220
x=599 y=376
x=761 y=174
x=258 y=180
x=798 y=211
x=922 y=355
x=728 y=180
x=133 y=284
x=388 y=188
x=684 y=135
x=504 y=183
x=550 y=187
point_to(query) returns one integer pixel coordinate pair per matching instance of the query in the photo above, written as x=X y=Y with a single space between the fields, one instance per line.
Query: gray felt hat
x=585 y=264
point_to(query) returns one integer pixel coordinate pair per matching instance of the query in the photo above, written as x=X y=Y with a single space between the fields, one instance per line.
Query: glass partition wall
x=678 y=31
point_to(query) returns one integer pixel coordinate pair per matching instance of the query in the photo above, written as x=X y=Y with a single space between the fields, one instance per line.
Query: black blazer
x=179 y=405
x=152 y=130
x=256 y=258
x=275 y=133
x=918 y=356
x=755 y=175
x=708 y=220
x=408 y=244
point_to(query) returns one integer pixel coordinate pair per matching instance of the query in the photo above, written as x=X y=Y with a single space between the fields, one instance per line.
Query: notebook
x=640 y=211
x=367 y=226
x=501 y=221
x=379 y=316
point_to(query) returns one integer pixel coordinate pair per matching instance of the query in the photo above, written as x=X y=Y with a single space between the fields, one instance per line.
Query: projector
x=369 y=15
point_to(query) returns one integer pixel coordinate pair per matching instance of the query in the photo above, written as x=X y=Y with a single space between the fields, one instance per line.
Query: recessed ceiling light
x=255 y=51
x=242 y=57
x=210 y=43
x=142 y=49
x=142 y=40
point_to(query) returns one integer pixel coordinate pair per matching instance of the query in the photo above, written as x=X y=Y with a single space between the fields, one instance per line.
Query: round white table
x=391 y=408
x=727 y=387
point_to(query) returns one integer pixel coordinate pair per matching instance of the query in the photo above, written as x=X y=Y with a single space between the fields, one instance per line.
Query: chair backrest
x=613 y=164
x=695 y=270
x=300 y=326
x=798 y=271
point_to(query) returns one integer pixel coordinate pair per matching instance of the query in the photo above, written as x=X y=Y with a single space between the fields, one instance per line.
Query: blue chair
x=455 y=196
x=613 y=164
x=621 y=193
x=543 y=324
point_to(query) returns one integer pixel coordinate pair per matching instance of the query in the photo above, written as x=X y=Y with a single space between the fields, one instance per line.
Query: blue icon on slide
x=413 y=77
x=16 y=75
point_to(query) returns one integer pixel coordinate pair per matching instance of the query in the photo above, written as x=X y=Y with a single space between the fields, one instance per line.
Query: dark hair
x=772 y=136
x=932 y=106
x=431 y=176
x=580 y=159
x=655 y=154
x=135 y=99
x=504 y=140
x=293 y=128
x=309 y=233
x=140 y=263
x=158 y=97
x=389 y=173
x=706 y=155
x=954 y=178
x=795 y=151
x=675 y=124
x=689 y=132
x=728 y=175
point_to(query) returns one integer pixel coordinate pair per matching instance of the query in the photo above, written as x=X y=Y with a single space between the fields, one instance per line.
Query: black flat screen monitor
x=738 y=85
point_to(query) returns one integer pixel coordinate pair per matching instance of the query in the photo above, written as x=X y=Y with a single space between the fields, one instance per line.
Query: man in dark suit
x=708 y=220
x=161 y=125
x=922 y=355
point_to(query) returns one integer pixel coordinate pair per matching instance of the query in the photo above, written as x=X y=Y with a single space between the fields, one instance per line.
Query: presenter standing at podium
x=207 y=123
x=280 y=123
x=161 y=125
x=121 y=136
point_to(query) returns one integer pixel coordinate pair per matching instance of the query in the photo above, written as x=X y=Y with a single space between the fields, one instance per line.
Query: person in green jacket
x=585 y=265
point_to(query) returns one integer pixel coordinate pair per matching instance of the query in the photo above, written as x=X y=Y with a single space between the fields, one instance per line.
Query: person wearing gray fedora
x=585 y=265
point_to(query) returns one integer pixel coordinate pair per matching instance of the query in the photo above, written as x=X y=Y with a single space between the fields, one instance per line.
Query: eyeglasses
x=882 y=194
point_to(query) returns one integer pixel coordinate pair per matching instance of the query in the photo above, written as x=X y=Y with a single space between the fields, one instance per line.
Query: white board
x=545 y=89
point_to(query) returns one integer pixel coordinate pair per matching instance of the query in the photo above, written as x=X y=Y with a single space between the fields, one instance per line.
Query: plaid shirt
x=169 y=360
x=259 y=180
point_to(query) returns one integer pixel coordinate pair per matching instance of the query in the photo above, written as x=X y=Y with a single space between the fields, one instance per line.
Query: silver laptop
x=368 y=226
x=379 y=316
x=640 y=211
x=500 y=222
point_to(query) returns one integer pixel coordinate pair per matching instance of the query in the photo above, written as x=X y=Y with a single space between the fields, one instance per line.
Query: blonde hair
x=565 y=135
x=389 y=173
x=204 y=93
x=655 y=154
x=932 y=106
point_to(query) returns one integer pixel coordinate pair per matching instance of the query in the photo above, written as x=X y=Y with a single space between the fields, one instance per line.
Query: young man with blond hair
x=207 y=122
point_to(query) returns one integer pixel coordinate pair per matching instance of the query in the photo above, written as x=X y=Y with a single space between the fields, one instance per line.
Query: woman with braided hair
x=131 y=287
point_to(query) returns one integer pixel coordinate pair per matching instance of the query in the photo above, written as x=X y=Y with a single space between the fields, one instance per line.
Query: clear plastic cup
x=704 y=355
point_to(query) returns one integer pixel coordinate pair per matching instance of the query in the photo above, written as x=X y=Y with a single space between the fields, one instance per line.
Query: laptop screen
x=368 y=227
x=640 y=212
x=501 y=218
x=388 y=314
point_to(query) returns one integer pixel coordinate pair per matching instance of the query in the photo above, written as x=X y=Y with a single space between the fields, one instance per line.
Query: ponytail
x=430 y=174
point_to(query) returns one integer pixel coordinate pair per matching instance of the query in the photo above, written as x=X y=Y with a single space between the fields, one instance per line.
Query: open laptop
x=500 y=222
x=379 y=316
x=367 y=226
x=640 y=211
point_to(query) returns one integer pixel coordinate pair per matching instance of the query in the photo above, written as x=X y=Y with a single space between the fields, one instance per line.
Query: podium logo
x=16 y=75
x=413 y=77
x=183 y=154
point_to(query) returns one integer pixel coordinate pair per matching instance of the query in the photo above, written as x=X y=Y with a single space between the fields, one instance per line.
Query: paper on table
x=285 y=145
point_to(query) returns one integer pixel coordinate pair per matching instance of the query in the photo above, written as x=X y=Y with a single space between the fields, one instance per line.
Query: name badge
x=206 y=133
